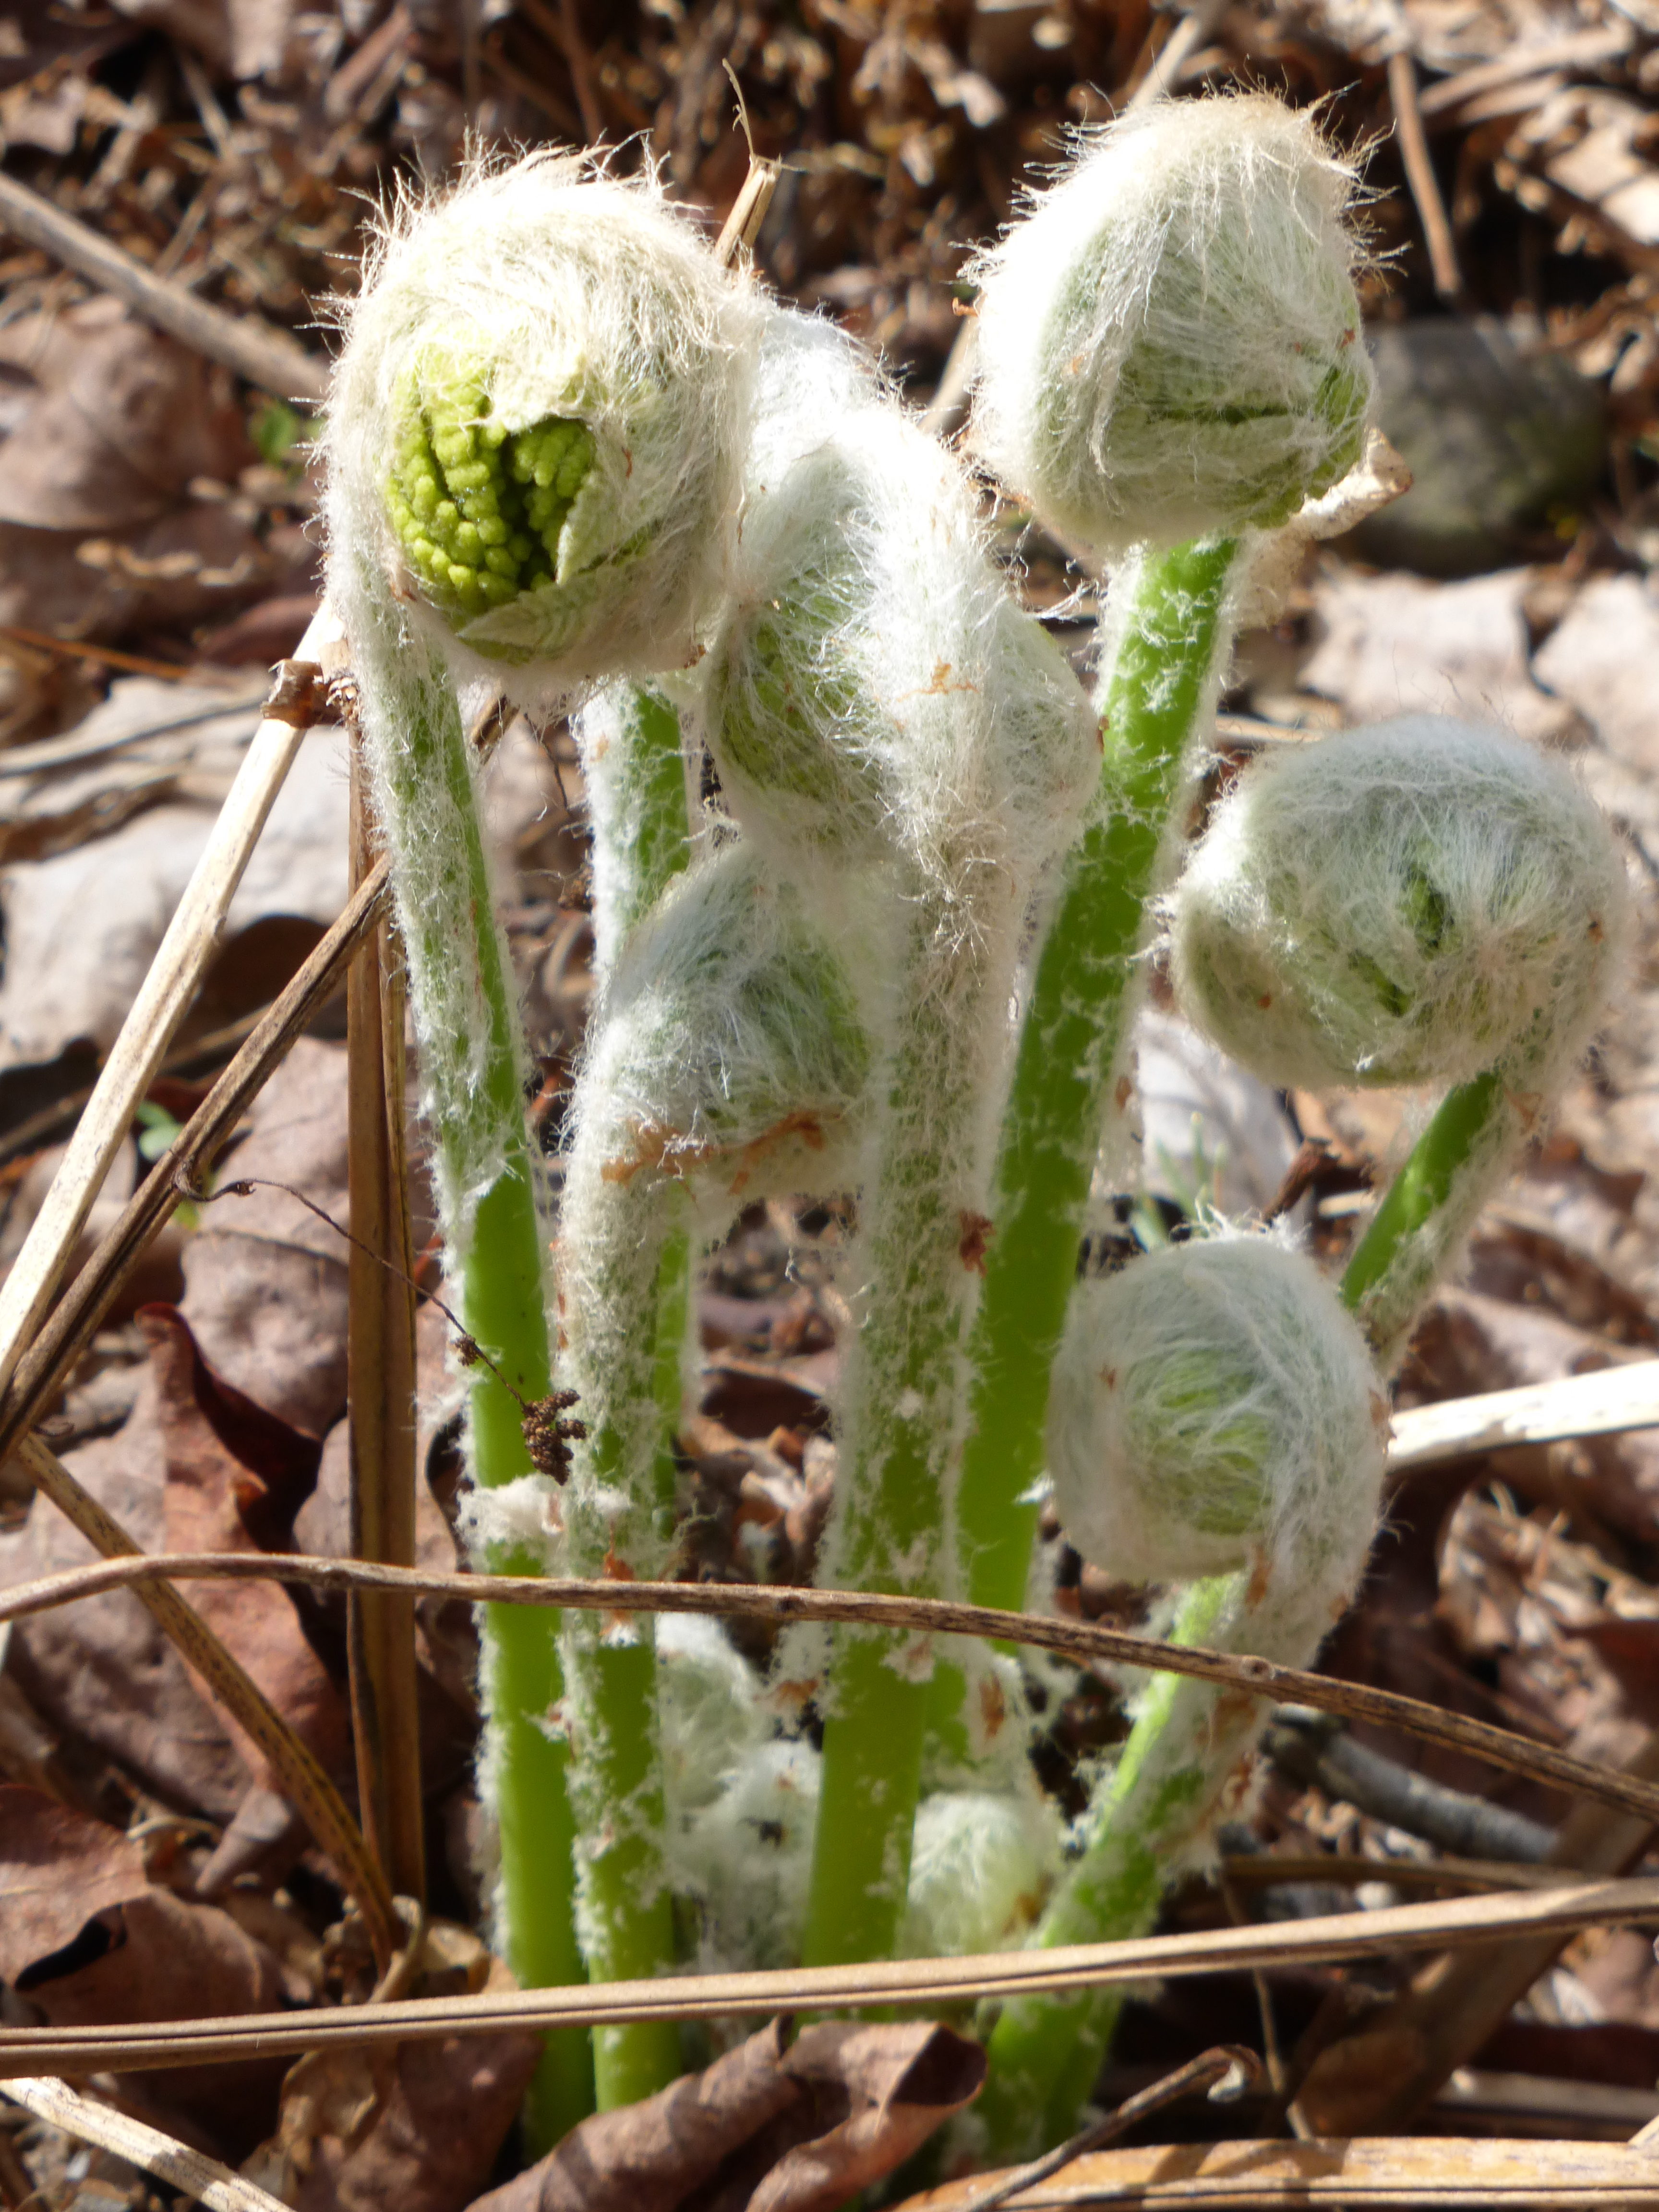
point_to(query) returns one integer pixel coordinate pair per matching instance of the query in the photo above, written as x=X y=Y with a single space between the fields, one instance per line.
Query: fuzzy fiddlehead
x=903 y=744
x=1169 y=357
x=1214 y=1414
x=1426 y=900
x=532 y=449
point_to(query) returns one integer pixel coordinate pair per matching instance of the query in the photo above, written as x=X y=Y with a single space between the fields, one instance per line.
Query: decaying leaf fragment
x=773 y=2126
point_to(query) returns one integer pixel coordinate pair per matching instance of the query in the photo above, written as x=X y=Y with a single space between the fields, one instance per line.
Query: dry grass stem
x=925 y=1982
x=41 y=1370
x=1082 y=1641
x=1399 y=2171
x=140 y=2145
x=1604 y=1403
x=180 y=962
x=380 y=1352
x=302 y=1779
x=266 y=357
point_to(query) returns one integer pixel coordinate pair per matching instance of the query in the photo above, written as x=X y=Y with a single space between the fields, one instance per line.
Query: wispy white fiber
x=580 y=298
x=1214 y=1407
x=1413 y=902
x=1168 y=337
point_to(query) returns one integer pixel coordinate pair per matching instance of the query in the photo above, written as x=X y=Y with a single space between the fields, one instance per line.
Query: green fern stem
x=1046 y=2052
x=901 y=1445
x=475 y=1086
x=1072 y=1050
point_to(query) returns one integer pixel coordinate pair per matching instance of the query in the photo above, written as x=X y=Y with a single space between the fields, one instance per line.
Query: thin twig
x=996 y=1977
x=1455 y=2003
x=255 y=350
x=298 y=1774
x=1419 y=175
x=1084 y=1641
x=1205 y=2072
x=42 y=1368
x=140 y=2145
x=191 y=940
x=1612 y=1400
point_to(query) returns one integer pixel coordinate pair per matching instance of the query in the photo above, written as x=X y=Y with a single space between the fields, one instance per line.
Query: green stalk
x=900 y=1444
x=1431 y=1207
x=631 y=1286
x=476 y=1089
x=1046 y=2052
x=1072 y=1045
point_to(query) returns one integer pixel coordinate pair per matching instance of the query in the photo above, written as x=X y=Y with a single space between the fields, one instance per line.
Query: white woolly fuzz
x=1416 y=902
x=513 y=1517
x=734 y=1054
x=747 y=1858
x=1170 y=341
x=1213 y=1408
x=537 y=417
x=874 y=691
x=980 y=1866
x=710 y=1710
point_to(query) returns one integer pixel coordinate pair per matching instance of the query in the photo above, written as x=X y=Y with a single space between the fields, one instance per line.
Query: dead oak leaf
x=789 y=2127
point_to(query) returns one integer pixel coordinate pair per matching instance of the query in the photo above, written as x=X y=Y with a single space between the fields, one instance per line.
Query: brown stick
x=996 y=1976
x=1079 y=1641
x=255 y=350
x=302 y=1779
x=1419 y=175
x=381 y=1390
x=1419 y=2039
x=42 y=1368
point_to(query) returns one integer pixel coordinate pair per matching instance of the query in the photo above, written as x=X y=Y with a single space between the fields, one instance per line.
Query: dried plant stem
x=926 y=1982
x=41 y=1370
x=140 y=2145
x=1339 y=2172
x=1454 y=2004
x=265 y=356
x=380 y=1354
x=181 y=960
x=301 y=1778
x=1085 y=1642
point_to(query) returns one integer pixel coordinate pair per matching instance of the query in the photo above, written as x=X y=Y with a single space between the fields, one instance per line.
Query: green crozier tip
x=1211 y=1449
x=479 y=509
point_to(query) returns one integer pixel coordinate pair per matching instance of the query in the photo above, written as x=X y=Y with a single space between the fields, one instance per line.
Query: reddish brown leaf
x=794 y=2127
x=56 y=1870
x=418 y=2126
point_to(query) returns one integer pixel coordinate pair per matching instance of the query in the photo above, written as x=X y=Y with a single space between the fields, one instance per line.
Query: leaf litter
x=153 y=512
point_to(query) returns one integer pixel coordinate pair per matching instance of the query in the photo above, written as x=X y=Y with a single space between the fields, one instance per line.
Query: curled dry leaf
x=265 y=1280
x=416 y=2125
x=90 y=1941
x=237 y=1476
x=774 y=2126
x=109 y=421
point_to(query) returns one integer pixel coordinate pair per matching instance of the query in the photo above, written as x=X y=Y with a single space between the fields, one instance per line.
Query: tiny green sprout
x=482 y=512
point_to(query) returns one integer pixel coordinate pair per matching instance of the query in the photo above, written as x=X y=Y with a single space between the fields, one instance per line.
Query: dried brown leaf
x=796 y=2127
x=416 y=2125
x=56 y=1870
